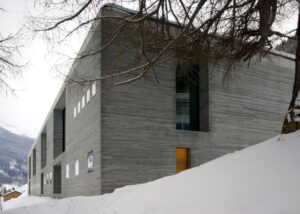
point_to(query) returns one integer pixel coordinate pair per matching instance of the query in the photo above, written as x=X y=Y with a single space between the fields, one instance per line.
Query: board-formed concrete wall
x=139 y=136
x=82 y=133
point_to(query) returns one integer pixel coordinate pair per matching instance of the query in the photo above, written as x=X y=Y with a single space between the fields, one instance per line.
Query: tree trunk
x=290 y=125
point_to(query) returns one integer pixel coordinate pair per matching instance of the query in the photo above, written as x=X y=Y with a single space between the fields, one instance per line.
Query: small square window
x=90 y=161
x=88 y=95
x=67 y=171
x=75 y=111
x=83 y=101
x=94 y=89
x=78 y=107
x=76 y=167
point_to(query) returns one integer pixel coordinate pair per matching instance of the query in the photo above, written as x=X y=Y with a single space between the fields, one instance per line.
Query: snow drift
x=259 y=179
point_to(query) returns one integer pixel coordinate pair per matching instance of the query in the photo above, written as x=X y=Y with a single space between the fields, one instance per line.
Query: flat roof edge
x=283 y=54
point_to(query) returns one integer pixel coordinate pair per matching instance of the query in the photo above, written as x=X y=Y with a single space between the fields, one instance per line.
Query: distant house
x=100 y=137
x=10 y=195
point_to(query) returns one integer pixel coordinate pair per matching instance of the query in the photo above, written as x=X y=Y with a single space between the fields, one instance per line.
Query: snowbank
x=260 y=179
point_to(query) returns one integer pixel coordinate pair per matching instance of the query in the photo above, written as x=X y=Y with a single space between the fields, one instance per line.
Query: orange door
x=181 y=159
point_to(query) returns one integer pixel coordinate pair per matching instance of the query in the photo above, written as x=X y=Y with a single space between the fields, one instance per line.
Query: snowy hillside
x=14 y=149
x=260 y=179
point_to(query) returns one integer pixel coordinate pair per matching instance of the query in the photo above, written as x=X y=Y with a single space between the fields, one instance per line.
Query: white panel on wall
x=93 y=88
x=78 y=107
x=75 y=111
x=76 y=167
x=67 y=170
x=90 y=161
x=50 y=177
x=83 y=101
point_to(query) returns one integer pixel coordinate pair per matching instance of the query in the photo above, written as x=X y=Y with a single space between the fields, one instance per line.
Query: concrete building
x=100 y=137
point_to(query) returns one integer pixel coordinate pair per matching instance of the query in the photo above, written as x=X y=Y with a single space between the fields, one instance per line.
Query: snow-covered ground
x=261 y=179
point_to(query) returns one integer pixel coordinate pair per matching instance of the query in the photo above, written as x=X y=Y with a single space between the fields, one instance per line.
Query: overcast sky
x=26 y=111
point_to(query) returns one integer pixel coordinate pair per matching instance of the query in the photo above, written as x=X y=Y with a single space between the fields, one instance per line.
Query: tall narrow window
x=34 y=161
x=83 y=101
x=88 y=95
x=64 y=130
x=75 y=111
x=94 y=89
x=59 y=124
x=42 y=183
x=57 y=178
x=187 y=98
x=43 y=150
x=67 y=171
x=90 y=161
x=76 y=167
x=50 y=177
x=29 y=165
x=78 y=107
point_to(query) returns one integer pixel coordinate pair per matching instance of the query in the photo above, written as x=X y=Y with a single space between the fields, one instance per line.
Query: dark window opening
x=29 y=187
x=64 y=130
x=59 y=126
x=191 y=97
x=34 y=161
x=43 y=150
x=59 y=132
x=187 y=98
x=29 y=167
x=57 y=179
x=42 y=183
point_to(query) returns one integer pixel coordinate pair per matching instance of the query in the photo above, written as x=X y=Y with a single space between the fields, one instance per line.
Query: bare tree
x=230 y=31
x=10 y=68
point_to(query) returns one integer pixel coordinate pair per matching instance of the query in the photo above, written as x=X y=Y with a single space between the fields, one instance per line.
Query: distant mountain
x=13 y=157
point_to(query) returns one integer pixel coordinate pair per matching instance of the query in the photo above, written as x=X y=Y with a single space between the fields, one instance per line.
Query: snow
x=259 y=179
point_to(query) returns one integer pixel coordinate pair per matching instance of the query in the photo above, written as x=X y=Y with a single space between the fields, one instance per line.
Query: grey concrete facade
x=131 y=129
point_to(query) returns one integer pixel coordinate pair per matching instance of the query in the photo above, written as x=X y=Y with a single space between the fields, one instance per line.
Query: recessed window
x=93 y=88
x=45 y=179
x=29 y=164
x=88 y=95
x=34 y=161
x=83 y=101
x=192 y=97
x=187 y=98
x=67 y=171
x=90 y=161
x=75 y=111
x=78 y=107
x=76 y=167
x=43 y=150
